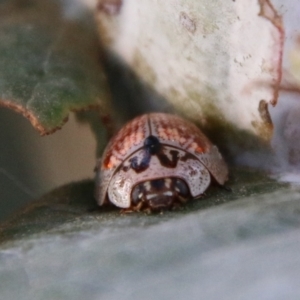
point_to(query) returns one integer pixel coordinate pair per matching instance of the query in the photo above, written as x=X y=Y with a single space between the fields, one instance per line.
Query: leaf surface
x=221 y=246
x=50 y=62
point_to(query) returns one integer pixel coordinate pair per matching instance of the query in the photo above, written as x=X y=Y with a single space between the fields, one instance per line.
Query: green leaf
x=227 y=244
x=73 y=207
x=50 y=61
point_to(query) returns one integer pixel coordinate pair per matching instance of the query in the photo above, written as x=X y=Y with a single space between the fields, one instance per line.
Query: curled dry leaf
x=50 y=63
x=213 y=61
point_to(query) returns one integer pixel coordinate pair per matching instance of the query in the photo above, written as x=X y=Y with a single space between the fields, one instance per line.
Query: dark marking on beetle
x=142 y=166
x=187 y=156
x=125 y=168
x=121 y=184
x=110 y=7
x=192 y=172
x=166 y=162
x=152 y=145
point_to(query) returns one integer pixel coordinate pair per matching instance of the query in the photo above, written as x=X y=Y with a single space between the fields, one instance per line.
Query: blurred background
x=31 y=165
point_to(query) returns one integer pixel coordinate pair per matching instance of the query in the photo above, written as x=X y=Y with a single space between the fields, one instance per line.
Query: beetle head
x=159 y=194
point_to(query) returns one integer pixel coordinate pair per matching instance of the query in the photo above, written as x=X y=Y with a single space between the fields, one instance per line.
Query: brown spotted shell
x=188 y=155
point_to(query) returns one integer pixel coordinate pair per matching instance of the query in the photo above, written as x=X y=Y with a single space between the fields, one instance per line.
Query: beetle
x=157 y=161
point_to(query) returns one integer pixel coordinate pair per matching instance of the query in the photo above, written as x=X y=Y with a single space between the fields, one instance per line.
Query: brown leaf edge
x=43 y=131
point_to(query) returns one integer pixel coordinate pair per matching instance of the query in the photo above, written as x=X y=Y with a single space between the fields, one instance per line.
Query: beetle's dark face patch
x=159 y=194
